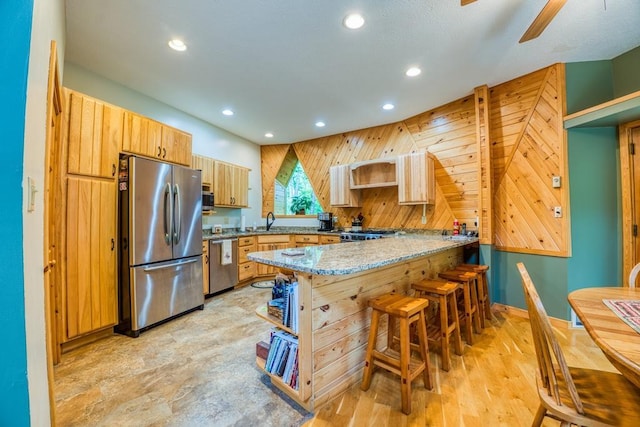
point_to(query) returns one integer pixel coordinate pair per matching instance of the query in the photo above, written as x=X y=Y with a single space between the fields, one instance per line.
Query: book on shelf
x=282 y=359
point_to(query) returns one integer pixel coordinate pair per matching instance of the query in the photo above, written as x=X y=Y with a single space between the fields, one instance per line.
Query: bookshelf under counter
x=333 y=304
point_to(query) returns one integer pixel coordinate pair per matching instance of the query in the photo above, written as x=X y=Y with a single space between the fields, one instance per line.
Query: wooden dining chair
x=585 y=397
x=634 y=275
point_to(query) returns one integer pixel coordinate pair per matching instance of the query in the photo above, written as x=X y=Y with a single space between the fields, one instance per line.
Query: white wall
x=208 y=140
x=48 y=23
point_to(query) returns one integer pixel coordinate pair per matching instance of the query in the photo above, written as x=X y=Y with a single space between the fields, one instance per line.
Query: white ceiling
x=281 y=65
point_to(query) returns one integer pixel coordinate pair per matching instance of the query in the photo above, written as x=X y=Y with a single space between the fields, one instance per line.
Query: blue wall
x=16 y=31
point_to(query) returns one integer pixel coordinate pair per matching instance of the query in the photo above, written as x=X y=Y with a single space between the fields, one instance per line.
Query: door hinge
x=635 y=230
x=632 y=148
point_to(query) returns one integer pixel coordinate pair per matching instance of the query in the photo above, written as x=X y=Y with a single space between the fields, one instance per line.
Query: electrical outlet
x=557 y=212
x=555 y=182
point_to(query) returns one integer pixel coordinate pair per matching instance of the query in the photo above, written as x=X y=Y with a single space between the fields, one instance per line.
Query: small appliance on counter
x=326 y=221
x=356 y=223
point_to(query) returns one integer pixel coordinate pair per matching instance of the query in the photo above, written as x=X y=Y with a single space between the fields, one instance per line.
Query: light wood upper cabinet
x=94 y=136
x=91 y=288
x=230 y=185
x=176 y=145
x=153 y=139
x=416 y=179
x=340 y=190
x=205 y=164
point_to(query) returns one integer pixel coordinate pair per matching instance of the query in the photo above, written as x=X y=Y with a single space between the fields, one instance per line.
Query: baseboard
x=519 y=312
x=84 y=340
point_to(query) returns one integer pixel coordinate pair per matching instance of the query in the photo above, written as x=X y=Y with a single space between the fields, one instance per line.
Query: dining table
x=619 y=341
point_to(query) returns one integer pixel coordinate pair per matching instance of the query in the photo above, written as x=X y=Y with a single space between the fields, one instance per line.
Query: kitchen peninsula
x=335 y=283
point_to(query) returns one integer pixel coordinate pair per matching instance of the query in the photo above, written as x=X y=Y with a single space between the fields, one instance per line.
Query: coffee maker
x=326 y=221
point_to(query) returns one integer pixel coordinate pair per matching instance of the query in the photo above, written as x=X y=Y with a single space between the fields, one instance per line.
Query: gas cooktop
x=365 y=235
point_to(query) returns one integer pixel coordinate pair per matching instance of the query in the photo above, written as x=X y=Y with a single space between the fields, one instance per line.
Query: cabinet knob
x=113 y=169
x=113 y=244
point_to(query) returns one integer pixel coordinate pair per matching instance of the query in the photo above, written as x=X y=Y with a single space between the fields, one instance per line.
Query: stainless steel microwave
x=207 y=201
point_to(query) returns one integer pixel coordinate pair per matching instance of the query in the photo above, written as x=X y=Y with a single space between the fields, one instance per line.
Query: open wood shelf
x=277 y=381
x=262 y=312
x=373 y=173
x=612 y=113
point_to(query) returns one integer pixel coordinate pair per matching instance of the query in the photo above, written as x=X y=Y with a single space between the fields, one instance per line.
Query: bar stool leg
x=405 y=353
x=424 y=349
x=371 y=346
x=467 y=314
x=474 y=301
x=453 y=308
x=444 y=332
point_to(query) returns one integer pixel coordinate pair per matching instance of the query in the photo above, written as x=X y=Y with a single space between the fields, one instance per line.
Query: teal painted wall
x=588 y=84
x=626 y=72
x=16 y=16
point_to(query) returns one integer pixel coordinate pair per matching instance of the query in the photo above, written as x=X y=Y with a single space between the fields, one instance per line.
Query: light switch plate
x=557 y=212
x=556 y=182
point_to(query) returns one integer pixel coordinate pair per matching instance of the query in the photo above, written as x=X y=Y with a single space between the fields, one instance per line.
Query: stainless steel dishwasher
x=222 y=276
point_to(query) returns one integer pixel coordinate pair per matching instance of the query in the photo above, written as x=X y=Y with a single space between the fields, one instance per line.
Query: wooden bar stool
x=408 y=310
x=483 y=287
x=471 y=315
x=444 y=294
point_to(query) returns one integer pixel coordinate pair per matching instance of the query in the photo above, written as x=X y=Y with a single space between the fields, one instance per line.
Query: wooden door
x=142 y=136
x=629 y=142
x=94 y=136
x=52 y=227
x=176 y=146
x=90 y=298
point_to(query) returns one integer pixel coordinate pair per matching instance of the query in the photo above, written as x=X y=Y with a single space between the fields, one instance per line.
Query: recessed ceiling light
x=353 y=21
x=227 y=112
x=268 y=135
x=413 y=71
x=320 y=124
x=388 y=107
x=178 y=45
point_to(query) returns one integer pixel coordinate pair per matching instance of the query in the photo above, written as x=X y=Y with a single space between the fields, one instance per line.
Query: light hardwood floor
x=199 y=370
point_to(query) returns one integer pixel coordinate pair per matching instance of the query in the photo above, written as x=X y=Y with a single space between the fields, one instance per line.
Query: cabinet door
x=176 y=146
x=340 y=191
x=222 y=178
x=91 y=289
x=142 y=136
x=94 y=138
x=416 y=179
x=205 y=164
x=240 y=191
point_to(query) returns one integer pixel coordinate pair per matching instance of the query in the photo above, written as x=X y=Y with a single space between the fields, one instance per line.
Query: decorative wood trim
x=485 y=172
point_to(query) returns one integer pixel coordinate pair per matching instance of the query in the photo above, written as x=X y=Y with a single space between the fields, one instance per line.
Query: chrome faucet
x=273 y=219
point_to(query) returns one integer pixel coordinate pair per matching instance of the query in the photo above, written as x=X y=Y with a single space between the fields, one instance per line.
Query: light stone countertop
x=354 y=257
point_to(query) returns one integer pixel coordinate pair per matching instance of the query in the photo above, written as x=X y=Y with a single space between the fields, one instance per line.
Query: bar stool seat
x=444 y=294
x=483 y=287
x=407 y=310
x=471 y=312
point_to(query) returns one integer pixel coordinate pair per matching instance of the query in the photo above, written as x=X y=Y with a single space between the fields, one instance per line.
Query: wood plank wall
x=529 y=148
x=496 y=151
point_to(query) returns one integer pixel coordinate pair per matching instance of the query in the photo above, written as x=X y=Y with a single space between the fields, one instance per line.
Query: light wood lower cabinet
x=91 y=286
x=302 y=240
x=246 y=267
x=328 y=240
x=205 y=267
x=271 y=242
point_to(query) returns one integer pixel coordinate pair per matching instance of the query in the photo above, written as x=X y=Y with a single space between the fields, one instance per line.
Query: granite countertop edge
x=308 y=264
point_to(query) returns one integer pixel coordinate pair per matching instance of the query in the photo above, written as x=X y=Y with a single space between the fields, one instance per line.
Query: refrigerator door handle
x=173 y=264
x=168 y=214
x=177 y=215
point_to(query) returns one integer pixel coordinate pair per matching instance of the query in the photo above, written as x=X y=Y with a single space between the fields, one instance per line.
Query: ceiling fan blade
x=543 y=19
x=466 y=2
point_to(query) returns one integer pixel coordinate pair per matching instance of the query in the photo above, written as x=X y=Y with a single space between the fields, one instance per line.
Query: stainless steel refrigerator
x=160 y=243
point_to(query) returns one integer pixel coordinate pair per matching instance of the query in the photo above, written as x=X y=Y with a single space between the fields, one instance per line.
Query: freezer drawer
x=160 y=291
